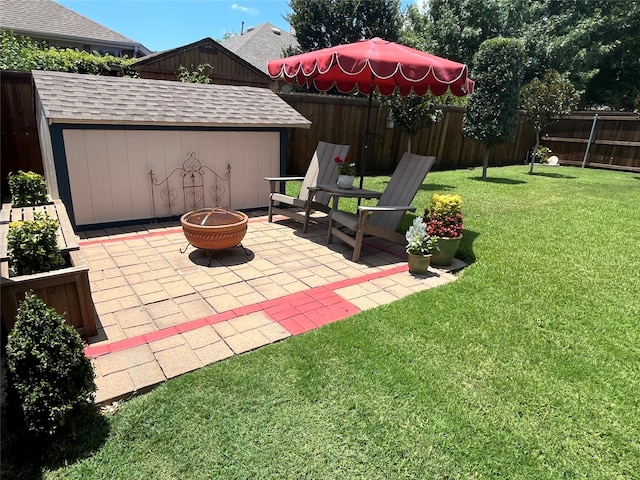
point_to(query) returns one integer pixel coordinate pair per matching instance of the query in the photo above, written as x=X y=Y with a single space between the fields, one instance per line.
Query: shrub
x=27 y=189
x=33 y=246
x=48 y=371
x=419 y=242
x=444 y=215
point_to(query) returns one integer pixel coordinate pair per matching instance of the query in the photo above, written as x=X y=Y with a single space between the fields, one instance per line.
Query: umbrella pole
x=365 y=149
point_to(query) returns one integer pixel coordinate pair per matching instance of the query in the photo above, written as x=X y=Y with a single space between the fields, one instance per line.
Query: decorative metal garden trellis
x=193 y=186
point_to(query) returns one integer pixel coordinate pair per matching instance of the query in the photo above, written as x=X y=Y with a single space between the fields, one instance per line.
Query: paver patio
x=162 y=313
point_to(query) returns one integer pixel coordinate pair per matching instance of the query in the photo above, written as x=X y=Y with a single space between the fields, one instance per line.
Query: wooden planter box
x=67 y=289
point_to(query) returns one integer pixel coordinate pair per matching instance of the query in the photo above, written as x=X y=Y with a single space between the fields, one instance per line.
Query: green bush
x=33 y=246
x=27 y=189
x=47 y=369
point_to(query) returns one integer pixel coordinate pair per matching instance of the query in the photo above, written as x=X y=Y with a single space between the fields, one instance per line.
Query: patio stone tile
x=158 y=274
x=400 y=291
x=198 y=278
x=314 y=281
x=154 y=297
x=177 y=288
x=295 y=287
x=147 y=287
x=248 y=272
x=213 y=353
x=129 y=301
x=241 y=288
x=147 y=375
x=365 y=303
x=113 y=386
x=168 y=247
x=108 y=306
x=170 y=320
x=222 y=303
x=126 y=260
x=250 y=298
x=112 y=293
x=117 y=248
x=383 y=282
x=101 y=264
x=108 y=283
x=124 y=359
x=196 y=309
x=259 y=281
x=244 y=342
x=225 y=329
x=132 y=318
x=301 y=273
x=283 y=278
x=227 y=278
x=139 y=330
x=110 y=272
x=106 y=320
x=188 y=270
x=136 y=268
x=201 y=337
x=271 y=291
x=177 y=360
x=95 y=276
x=188 y=298
x=162 y=309
x=136 y=242
x=274 y=332
x=352 y=292
x=250 y=322
x=166 y=343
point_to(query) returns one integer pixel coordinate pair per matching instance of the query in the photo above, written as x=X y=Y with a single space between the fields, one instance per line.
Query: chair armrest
x=387 y=208
x=283 y=179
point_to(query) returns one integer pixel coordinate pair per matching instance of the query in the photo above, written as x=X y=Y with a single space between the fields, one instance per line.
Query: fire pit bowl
x=214 y=228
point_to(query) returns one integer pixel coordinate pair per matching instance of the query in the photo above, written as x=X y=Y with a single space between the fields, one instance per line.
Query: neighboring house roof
x=260 y=44
x=50 y=20
x=82 y=99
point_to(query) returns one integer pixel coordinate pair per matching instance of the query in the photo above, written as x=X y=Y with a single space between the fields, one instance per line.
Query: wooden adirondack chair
x=383 y=219
x=322 y=169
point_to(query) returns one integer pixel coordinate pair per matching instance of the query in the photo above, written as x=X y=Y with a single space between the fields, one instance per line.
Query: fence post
x=586 y=152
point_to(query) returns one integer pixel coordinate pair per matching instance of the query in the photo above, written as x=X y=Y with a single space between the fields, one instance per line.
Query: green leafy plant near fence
x=33 y=246
x=48 y=372
x=27 y=189
x=23 y=53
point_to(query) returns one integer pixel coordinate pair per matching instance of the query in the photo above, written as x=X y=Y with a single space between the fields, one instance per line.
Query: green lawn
x=527 y=367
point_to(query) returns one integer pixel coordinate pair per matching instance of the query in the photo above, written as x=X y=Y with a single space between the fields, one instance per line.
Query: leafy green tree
x=413 y=113
x=417 y=30
x=492 y=110
x=545 y=101
x=322 y=24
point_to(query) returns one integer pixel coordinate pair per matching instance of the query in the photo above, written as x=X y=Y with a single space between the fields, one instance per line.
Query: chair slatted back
x=402 y=188
x=322 y=170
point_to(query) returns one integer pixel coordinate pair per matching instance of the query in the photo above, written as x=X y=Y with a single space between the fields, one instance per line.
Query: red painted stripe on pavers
x=280 y=315
x=193 y=325
x=97 y=351
x=305 y=322
x=291 y=326
x=247 y=309
x=160 y=334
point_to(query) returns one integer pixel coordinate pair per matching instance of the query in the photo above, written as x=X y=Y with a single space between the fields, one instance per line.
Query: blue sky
x=164 y=24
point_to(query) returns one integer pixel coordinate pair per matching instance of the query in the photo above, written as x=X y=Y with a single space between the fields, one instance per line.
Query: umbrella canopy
x=374 y=64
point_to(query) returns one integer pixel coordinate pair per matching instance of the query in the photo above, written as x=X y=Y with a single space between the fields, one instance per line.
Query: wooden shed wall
x=226 y=69
x=109 y=170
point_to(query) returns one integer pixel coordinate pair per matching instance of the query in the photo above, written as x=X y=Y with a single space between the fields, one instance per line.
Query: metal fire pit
x=214 y=229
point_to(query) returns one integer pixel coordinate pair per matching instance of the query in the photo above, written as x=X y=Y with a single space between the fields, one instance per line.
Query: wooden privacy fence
x=611 y=141
x=342 y=120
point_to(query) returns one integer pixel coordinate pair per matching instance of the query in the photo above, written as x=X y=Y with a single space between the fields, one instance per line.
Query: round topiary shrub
x=27 y=189
x=47 y=370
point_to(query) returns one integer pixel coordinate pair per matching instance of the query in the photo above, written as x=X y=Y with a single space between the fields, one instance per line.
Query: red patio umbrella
x=370 y=65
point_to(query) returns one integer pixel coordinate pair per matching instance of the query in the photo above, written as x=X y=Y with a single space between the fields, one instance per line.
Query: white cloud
x=251 y=11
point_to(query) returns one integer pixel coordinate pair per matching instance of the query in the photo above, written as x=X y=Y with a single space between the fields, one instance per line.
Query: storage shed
x=119 y=150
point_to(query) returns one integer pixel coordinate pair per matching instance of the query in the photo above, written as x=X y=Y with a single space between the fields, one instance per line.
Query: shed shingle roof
x=260 y=44
x=92 y=99
x=49 y=19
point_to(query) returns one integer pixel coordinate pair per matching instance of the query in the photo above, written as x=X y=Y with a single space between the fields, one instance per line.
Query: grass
x=527 y=367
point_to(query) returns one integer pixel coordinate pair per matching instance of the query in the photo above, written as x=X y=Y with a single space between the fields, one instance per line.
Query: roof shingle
x=73 y=98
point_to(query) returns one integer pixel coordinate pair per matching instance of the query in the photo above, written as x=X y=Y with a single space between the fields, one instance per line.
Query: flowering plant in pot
x=420 y=245
x=346 y=172
x=444 y=221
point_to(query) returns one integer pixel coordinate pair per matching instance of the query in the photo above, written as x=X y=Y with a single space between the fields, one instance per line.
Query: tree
x=198 y=74
x=544 y=101
x=334 y=22
x=492 y=109
x=413 y=113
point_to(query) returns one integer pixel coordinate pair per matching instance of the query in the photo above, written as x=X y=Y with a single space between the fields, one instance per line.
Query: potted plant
x=444 y=221
x=346 y=172
x=33 y=245
x=541 y=154
x=420 y=245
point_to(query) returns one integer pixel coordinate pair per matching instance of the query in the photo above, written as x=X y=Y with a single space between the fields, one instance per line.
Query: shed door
x=109 y=170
